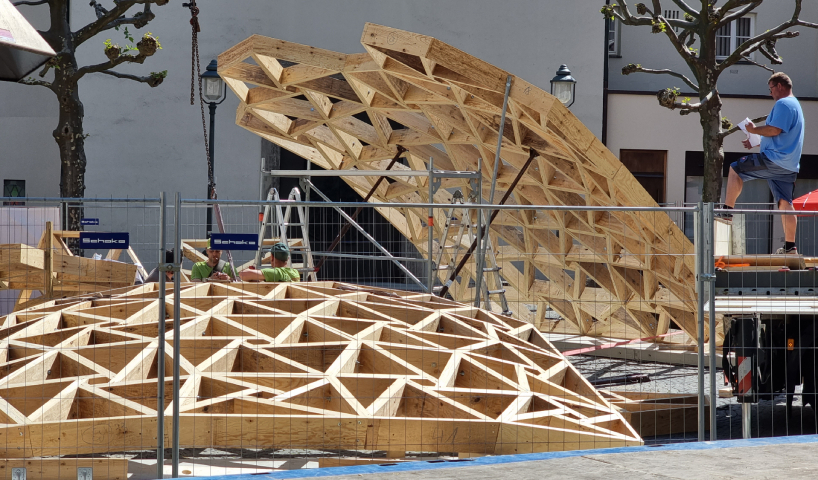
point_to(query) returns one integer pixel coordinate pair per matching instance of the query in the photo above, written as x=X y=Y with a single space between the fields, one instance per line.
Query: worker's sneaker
x=724 y=216
x=785 y=251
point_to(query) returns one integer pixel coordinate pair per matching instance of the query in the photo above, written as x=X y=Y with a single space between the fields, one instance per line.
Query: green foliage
x=726 y=123
x=128 y=35
x=608 y=11
x=162 y=74
x=658 y=27
x=150 y=35
x=689 y=17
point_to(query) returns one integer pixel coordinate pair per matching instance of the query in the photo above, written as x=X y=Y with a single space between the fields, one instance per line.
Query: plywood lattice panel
x=319 y=365
x=344 y=111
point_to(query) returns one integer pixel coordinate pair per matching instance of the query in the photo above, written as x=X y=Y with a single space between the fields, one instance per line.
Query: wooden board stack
x=55 y=272
x=344 y=111
x=321 y=366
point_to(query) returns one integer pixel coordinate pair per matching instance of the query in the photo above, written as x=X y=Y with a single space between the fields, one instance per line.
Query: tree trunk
x=70 y=139
x=712 y=146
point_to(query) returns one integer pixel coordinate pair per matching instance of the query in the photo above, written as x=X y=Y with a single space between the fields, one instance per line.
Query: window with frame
x=730 y=36
x=613 y=37
x=14 y=188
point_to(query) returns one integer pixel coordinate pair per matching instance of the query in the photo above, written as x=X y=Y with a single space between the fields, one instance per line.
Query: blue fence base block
x=411 y=466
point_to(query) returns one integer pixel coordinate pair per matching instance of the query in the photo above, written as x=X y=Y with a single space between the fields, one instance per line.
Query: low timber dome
x=310 y=365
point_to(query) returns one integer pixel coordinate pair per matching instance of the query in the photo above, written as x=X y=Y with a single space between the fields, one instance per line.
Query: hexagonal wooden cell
x=625 y=274
x=338 y=367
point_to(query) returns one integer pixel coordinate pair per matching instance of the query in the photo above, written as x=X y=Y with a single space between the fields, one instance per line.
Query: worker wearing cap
x=214 y=268
x=279 y=272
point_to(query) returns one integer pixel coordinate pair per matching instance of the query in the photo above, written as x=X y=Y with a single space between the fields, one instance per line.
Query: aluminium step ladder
x=492 y=284
x=278 y=221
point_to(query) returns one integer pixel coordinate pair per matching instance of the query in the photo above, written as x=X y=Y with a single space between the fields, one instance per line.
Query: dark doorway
x=649 y=167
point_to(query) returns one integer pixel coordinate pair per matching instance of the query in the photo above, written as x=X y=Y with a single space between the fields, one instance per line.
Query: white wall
x=145 y=140
x=28 y=115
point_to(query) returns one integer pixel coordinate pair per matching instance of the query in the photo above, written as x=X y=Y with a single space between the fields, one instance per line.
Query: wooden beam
x=48 y=291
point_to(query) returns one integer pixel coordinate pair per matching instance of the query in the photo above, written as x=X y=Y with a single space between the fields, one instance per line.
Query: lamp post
x=214 y=94
x=564 y=86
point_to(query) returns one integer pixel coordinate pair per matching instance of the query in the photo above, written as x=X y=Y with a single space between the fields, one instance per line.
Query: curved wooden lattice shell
x=344 y=111
x=320 y=365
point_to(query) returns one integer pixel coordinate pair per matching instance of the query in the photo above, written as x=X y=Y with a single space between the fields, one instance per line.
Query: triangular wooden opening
x=366 y=390
x=325 y=397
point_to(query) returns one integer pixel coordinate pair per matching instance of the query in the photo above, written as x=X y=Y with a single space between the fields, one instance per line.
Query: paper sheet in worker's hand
x=755 y=139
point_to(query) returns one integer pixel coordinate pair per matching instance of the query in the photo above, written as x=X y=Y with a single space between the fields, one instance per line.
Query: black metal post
x=210 y=176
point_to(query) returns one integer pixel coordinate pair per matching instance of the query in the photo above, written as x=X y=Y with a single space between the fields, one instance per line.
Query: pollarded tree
x=695 y=42
x=67 y=73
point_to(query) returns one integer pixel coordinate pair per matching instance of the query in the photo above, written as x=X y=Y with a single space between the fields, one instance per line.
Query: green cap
x=280 y=251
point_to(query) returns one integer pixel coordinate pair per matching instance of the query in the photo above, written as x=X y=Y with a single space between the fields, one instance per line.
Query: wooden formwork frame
x=53 y=270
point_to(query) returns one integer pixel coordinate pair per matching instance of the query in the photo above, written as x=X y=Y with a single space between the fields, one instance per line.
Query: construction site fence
x=604 y=290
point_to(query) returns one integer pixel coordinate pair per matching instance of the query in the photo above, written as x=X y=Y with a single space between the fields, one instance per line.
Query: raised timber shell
x=634 y=270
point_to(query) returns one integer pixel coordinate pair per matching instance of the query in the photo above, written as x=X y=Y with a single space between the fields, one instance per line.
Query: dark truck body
x=770 y=323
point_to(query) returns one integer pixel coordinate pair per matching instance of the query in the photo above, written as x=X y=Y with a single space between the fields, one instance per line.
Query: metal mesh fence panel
x=585 y=333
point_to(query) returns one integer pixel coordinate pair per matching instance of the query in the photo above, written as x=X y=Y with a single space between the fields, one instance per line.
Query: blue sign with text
x=234 y=241
x=89 y=221
x=115 y=240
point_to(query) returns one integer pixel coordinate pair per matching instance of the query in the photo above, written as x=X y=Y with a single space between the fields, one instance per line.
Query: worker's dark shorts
x=758 y=167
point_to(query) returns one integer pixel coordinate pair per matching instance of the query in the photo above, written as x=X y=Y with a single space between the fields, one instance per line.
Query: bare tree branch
x=756 y=42
x=152 y=80
x=99 y=10
x=752 y=5
x=624 y=15
x=37 y=2
x=766 y=47
x=657 y=15
x=631 y=68
x=765 y=67
x=622 y=12
x=686 y=8
x=102 y=67
x=736 y=128
x=679 y=45
x=34 y=81
x=769 y=51
x=138 y=21
x=109 y=16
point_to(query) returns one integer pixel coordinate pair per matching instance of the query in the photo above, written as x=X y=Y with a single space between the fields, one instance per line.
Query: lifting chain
x=195 y=68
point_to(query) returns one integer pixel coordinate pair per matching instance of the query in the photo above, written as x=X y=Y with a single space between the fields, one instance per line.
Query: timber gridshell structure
x=320 y=366
x=344 y=111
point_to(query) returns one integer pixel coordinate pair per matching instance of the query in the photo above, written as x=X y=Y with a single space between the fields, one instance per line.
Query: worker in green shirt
x=213 y=269
x=279 y=272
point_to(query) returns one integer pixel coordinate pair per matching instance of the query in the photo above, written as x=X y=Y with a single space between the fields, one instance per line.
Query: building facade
x=664 y=149
x=142 y=140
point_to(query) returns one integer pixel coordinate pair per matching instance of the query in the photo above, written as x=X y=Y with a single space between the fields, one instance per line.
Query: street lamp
x=214 y=94
x=564 y=86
